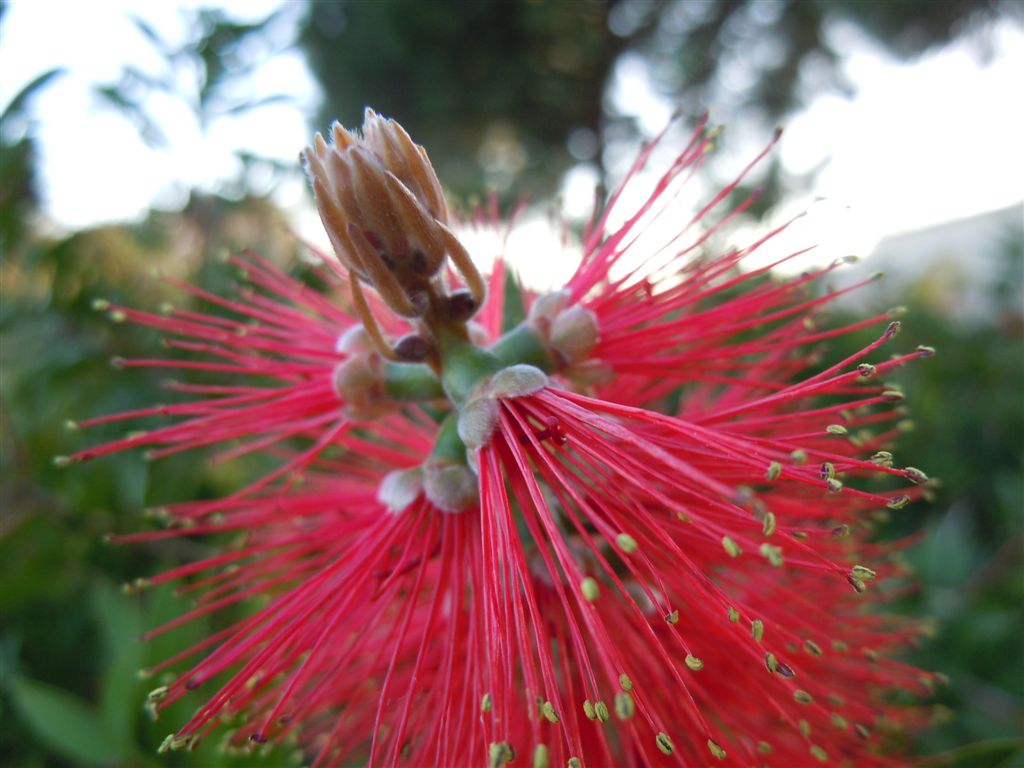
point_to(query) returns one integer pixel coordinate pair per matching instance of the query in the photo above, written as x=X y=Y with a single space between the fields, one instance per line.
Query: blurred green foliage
x=69 y=648
x=966 y=406
x=509 y=93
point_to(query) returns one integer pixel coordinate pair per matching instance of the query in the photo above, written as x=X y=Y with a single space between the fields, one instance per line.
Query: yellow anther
x=626 y=543
x=716 y=750
x=664 y=743
x=548 y=710
x=757 y=629
x=624 y=706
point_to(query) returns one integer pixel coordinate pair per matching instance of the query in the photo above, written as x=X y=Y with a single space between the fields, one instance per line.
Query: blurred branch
x=17 y=105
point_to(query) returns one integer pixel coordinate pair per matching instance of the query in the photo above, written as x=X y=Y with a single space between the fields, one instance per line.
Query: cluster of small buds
x=385 y=214
x=383 y=209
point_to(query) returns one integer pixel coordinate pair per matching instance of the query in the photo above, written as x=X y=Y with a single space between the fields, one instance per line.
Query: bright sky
x=921 y=143
x=94 y=166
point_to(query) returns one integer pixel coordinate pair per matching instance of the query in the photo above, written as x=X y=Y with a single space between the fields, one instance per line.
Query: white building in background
x=970 y=269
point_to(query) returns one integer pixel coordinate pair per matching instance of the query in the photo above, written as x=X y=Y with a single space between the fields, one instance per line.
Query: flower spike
x=634 y=529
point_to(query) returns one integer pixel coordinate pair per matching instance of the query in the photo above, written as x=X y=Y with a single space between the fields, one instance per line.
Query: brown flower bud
x=383 y=208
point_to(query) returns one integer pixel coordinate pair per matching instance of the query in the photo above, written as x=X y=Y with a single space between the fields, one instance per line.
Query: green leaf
x=117 y=617
x=65 y=723
x=514 y=312
x=17 y=104
x=993 y=753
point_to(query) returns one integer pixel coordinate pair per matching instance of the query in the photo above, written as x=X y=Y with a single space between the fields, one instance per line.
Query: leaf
x=266 y=101
x=150 y=33
x=993 y=753
x=65 y=723
x=117 y=617
x=18 y=102
x=514 y=313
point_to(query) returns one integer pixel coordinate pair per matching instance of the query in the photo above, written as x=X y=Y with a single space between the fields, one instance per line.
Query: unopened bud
x=461 y=305
x=382 y=206
x=574 y=333
x=400 y=488
x=413 y=348
x=450 y=487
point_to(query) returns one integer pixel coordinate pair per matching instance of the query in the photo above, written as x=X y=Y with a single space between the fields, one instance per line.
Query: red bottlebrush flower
x=632 y=530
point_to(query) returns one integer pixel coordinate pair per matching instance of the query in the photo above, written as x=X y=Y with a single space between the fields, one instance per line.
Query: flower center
x=385 y=213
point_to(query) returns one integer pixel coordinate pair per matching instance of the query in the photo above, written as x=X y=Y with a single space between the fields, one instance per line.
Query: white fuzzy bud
x=478 y=417
x=359 y=382
x=400 y=488
x=546 y=307
x=451 y=488
x=355 y=341
x=477 y=421
x=574 y=333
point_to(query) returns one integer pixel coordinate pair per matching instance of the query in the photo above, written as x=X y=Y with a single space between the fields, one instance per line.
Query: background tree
x=493 y=88
x=509 y=94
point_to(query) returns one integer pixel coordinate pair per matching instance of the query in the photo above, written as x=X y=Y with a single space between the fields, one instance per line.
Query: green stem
x=448 y=446
x=409 y=382
x=463 y=366
x=523 y=345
